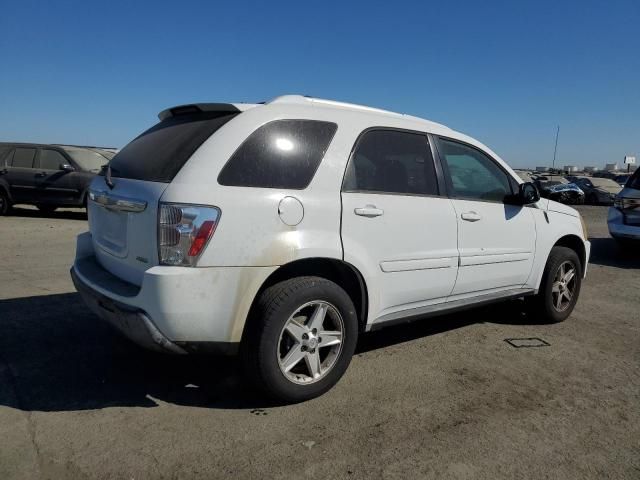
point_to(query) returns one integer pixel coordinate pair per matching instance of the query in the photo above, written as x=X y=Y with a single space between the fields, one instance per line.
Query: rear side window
x=280 y=154
x=392 y=161
x=158 y=154
x=23 y=157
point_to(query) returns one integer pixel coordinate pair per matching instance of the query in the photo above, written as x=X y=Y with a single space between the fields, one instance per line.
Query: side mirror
x=67 y=168
x=528 y=193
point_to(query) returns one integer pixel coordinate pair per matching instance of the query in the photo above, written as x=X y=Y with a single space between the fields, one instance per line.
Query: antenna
x=555 y=150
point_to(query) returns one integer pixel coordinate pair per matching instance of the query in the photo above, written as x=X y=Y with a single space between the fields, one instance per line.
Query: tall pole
x=555 y=150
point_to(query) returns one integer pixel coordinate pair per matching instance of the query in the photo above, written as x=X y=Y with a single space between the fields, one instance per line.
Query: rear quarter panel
x=250 y=232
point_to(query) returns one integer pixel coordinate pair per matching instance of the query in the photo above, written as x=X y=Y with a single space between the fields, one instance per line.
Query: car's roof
x=356 y=118
x=298 y=101
x=51 y=145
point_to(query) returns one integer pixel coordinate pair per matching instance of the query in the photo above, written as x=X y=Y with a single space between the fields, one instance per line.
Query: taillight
x=623 y=203
x=184 y=231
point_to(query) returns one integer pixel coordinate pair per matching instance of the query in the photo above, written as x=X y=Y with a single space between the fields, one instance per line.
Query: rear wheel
x=560 y=286
x=5 y=204
x=300 y=339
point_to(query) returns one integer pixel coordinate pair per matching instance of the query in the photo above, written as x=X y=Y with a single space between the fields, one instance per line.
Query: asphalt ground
x=447 y=397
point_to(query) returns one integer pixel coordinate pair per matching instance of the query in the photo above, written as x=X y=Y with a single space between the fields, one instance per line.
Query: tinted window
x=88 y=160
x=280 y=154
x=393 y=162
x=472 y=173
x=51 y=160
x=158 y=154
x=634 y=180
x=3 y=150
x=23 y=157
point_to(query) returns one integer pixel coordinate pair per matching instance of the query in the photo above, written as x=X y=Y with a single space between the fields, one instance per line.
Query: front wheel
x=300 y=339
x=560 y=285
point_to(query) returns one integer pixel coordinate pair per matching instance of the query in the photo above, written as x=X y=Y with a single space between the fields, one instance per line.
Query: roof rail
x=302 y=99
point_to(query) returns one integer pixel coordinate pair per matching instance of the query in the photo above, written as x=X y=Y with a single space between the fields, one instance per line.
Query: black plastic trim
x=447 y=308
x=192 y=108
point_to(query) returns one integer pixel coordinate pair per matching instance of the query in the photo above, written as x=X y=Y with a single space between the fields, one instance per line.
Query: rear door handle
x=41 y=174
x=471 y=216
x=369 y=211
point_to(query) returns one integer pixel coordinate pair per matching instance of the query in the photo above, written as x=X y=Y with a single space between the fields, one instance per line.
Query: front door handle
x=471 y=216
x=41 y=174
x=369 y=211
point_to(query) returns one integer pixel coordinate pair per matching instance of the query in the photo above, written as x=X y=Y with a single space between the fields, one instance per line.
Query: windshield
x=604 y=182
x=524 y=176
x=88 y=160
x=550 y=183
x=634 y=181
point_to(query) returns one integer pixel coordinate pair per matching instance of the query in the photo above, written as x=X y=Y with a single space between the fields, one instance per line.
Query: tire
x=545 y=304
x=5 y=203
x=592 y=199
x=269 y=348
x=47 y=208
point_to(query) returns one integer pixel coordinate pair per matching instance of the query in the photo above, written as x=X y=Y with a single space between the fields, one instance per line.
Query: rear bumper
x=132 y=322
x=176 y=309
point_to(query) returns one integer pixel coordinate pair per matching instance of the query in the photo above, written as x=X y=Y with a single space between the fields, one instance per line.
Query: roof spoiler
x=198 y=108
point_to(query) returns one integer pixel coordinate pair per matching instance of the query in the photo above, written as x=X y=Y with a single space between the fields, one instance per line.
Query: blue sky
x=504 y=72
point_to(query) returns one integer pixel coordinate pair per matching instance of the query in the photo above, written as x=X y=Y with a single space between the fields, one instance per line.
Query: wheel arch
x=340 y=272
x=4 y=186
x=576 y=244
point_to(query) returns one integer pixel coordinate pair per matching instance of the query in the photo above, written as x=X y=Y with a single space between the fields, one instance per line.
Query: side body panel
x=497 y=249
x=408 y=255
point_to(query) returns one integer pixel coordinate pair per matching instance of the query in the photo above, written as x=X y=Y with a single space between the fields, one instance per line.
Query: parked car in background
x=597 y=190
x=283 y=230
x=47 y=176
x=560 y=190
x=622 y=179
x=624 y=216
x=525 y=175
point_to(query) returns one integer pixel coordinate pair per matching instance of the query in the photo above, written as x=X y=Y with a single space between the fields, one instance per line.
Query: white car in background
x=284 y=230
x=624 y=216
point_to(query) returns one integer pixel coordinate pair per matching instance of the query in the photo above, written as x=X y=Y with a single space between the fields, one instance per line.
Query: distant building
x=542 y=169
x=611 y=167
x=591 y=169
x=570 y=168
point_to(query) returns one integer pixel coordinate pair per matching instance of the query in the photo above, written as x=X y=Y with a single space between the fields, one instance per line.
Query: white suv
x=283 y=230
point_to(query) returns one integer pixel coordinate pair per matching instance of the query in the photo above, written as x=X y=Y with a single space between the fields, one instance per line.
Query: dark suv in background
x=47 y=176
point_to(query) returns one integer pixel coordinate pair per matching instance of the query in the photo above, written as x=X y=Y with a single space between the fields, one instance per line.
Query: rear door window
x=158 y=154
x=392 y=161
x=280 y=154
x=23 y=157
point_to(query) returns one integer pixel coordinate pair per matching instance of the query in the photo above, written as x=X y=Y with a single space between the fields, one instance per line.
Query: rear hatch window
x=158 y=154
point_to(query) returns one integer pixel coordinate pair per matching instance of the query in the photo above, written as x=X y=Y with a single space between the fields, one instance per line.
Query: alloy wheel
x=310 y=342
x=564 y=286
